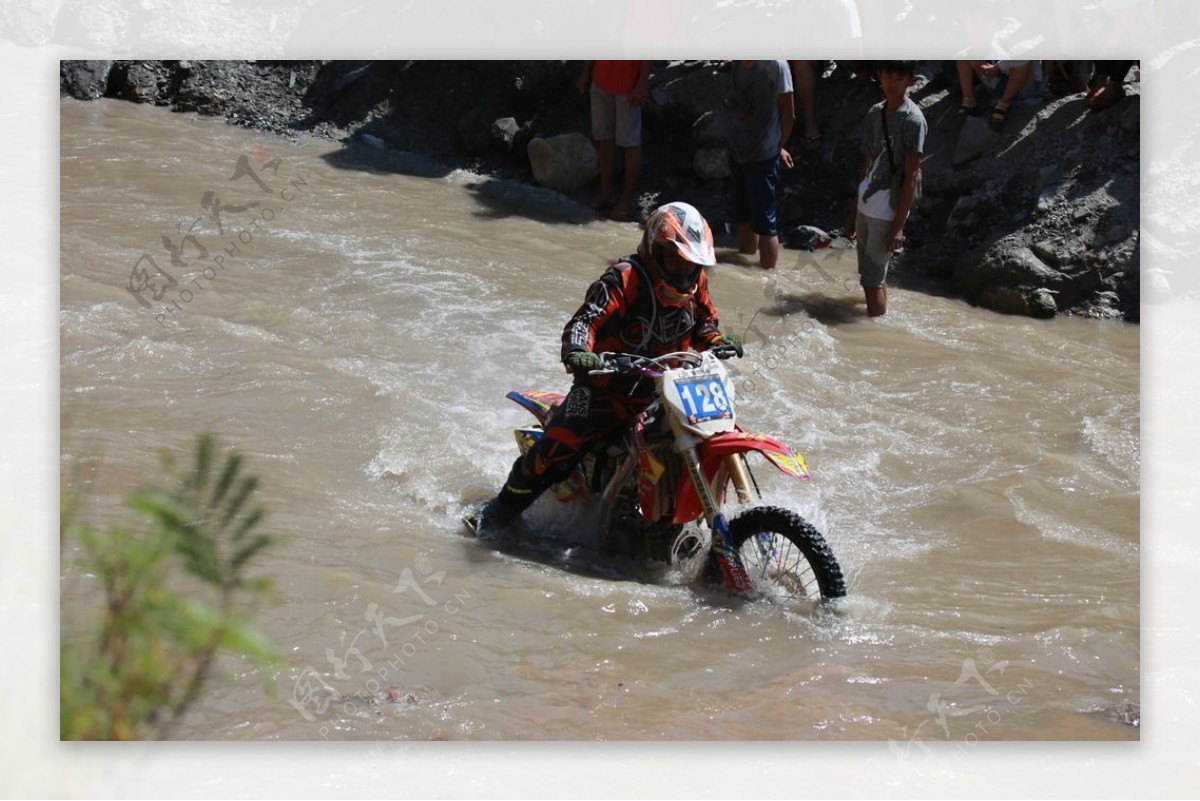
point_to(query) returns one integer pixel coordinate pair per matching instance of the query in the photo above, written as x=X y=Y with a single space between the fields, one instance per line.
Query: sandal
x=967 y=111
x=999 y=117
x=811 y=143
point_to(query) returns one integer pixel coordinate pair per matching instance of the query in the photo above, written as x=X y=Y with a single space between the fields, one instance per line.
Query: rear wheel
x=785 y=556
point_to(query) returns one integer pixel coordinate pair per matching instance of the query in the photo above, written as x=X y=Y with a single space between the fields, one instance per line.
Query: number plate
x=704 y=398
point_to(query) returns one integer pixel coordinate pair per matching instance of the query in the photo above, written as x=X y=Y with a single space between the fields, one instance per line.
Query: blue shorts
x=753 y=201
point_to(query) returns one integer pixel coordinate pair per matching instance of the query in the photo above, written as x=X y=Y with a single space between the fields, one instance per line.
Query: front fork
x=724 y=551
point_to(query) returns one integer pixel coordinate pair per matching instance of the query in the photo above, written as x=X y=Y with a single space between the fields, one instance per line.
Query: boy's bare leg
x=966 y=83
x=768 y=251
x=607 y=152
x=802 y=78
x=633 y=171
x=876 y=300
x=747 y=240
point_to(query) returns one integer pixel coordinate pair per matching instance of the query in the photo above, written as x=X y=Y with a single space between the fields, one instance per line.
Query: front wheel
x=785 y=556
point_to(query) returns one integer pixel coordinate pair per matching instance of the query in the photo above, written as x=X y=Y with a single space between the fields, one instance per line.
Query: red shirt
x=616 y=77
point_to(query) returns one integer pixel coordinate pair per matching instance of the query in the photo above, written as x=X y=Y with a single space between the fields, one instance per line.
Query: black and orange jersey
x=621 y=313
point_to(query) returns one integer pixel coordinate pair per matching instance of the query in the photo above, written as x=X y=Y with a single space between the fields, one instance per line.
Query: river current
x=351 y=320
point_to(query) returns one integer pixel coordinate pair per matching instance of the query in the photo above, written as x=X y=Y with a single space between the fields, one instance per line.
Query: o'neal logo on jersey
x=667 y=330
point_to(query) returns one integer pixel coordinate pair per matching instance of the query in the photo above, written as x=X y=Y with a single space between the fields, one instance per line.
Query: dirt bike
x=673 y=467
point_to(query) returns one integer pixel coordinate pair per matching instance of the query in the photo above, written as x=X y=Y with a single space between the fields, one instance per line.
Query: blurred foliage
x=148 y=654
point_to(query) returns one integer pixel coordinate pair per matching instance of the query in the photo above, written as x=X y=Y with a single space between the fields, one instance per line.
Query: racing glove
x=580 y=361
x=728 y=341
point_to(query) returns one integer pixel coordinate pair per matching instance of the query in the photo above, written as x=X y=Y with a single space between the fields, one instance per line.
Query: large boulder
x=142 y=81
x=566 y=162
x=711 y=164
x=84 y=80
x=713 y=128
x=975 y=139
x=1005 y=265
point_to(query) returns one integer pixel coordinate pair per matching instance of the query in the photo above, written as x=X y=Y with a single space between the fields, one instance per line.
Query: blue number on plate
x=704 y=399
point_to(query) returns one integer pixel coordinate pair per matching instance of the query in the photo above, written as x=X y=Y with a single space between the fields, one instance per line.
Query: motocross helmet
x=676 y=229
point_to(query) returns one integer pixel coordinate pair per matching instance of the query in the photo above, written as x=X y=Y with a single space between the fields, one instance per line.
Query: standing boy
x=764 y=112
x=896 y=124
x=618 y=89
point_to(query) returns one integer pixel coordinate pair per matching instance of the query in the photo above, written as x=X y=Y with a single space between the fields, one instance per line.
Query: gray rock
x=963 y=213
x=1005 y=300
x=1104 y=305
x=567 y=161
x=1055 y=252
x=505 y=130
x=1004 y=265
x=711 y=164
x=975 y=139
x=140 y=83
x=712 y=129
x=1117 y=232
x=1041 y=304
x=1126 y=713
x=1131 y=118
x=84 y=80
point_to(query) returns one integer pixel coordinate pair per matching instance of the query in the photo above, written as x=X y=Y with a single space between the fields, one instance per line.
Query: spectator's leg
x=1020 y=79
x=873 y=259
x=966 y=85
x=763 y=212
x=604 y=128
x=633 y=171
x=876 y=300
x=629 y=140
x=802 y=77
x=747 y=239
x=607 y=151
x=768 y=251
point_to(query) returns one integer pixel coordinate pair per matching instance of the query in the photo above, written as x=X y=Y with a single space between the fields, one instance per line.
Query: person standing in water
x=892 y=143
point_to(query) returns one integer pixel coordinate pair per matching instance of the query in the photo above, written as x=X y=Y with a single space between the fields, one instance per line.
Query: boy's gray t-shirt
x=907 y=128
x=756 y=91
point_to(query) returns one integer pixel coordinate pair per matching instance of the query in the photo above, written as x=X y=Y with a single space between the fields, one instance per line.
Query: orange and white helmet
x=680 y=226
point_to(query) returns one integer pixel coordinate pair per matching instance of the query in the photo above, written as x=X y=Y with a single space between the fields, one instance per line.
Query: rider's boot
x=517 y=495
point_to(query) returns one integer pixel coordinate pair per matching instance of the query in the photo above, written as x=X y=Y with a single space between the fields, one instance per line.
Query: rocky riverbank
x=1039 y=219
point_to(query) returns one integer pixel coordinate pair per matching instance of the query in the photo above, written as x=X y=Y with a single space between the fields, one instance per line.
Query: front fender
x=712 y=453
x=715 y=450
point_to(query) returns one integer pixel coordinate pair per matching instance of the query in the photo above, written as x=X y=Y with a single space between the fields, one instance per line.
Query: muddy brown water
x=355 y=331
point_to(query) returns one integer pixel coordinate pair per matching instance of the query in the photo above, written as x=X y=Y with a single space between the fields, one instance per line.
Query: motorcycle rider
x=650 y=303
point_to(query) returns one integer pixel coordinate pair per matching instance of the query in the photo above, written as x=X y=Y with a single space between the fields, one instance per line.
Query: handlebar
x=653 y=366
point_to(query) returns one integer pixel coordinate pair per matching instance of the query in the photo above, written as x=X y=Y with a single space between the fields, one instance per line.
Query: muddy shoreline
x=1040 y=219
